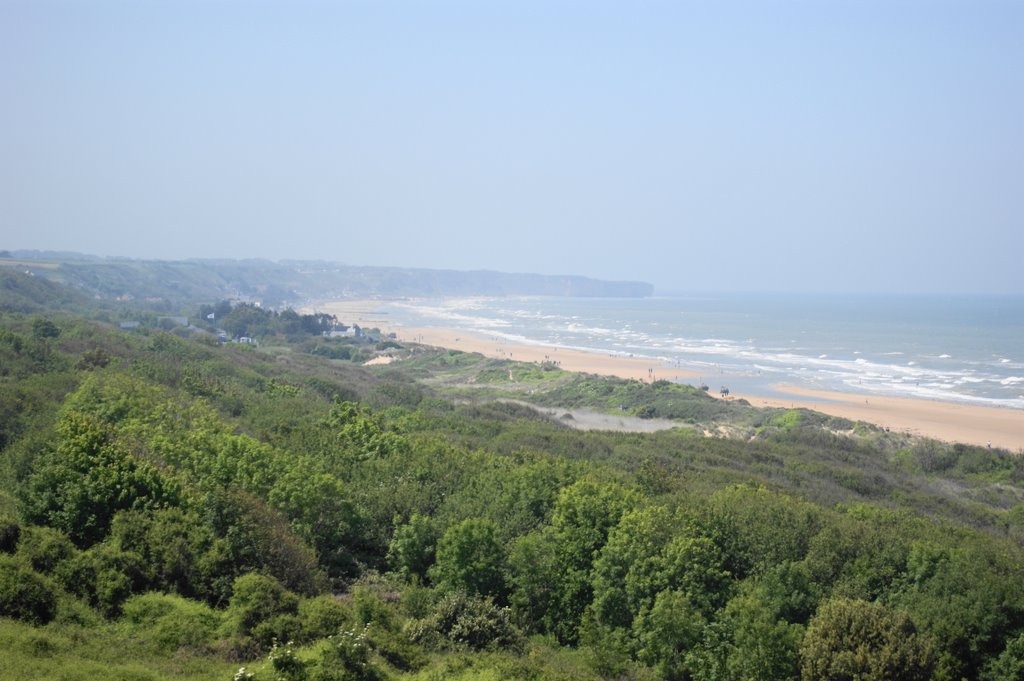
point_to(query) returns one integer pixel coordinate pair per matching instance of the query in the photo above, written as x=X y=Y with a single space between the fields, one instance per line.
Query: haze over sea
x=967 y=349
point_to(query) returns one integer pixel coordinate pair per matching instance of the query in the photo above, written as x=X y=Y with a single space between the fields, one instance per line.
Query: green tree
x=788 y=590
x=411 y=552
x=563 y=554
x=251 y=536
x=534 y=577
x=171 y=622
x=89 y=478
x=10 y=534
x=851 y=639
x=44 y=548
x=667 y=633
x=322 y=616
x=747 y=642
x=651 y=550
x=758 y=528
x=470 y=559
x=104 y=575
x=44 y=328
x=359 y=435
x=1009 y=666
x=962 y=602
x=320 y=512
x=468 y=620
x=764 y=647
x=171 y=543
x=860 y=554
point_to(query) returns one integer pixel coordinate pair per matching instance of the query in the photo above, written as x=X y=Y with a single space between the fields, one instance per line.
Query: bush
x=322 y=616
x=462 y=619
x=412 y=549
x=25 y=594
x=257 y=598
x=1009 y=666
x=104 y=576
x=369 y=607
x=171 y=622
x=10 y=533
x=852 y=639
x=45 y=548
x=277 y=628
x=470 y=558
x=286 y=664
x=347 y=659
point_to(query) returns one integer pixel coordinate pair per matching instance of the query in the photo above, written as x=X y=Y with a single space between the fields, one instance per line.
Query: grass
x=71 y=652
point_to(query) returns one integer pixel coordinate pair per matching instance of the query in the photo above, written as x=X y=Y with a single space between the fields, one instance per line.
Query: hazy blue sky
x=824 y=145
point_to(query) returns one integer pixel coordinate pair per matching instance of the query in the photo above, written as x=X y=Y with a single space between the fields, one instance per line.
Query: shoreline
x=947 y=421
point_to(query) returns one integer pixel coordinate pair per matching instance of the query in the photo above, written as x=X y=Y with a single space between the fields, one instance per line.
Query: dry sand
x=941 y=420
x=948 y=421
x=365 y=314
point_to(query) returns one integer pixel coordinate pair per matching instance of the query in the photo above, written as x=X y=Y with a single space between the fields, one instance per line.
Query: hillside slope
x=174 y=507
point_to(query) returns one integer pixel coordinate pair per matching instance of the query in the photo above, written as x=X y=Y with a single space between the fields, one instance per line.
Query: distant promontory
x=290 y=282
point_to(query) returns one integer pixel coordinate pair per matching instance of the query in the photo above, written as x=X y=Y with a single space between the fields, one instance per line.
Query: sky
x=823 y=146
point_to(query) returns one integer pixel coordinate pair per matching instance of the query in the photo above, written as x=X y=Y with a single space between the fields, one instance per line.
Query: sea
x=964 y=349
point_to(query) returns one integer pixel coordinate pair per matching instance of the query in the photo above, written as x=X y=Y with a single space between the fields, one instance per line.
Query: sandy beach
x=365 y=314
x=952 y=422
x=948 y=421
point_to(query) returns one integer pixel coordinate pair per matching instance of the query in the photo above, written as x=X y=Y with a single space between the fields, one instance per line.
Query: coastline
x=948 y=421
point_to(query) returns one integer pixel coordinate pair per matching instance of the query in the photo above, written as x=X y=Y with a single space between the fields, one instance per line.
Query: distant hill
x=22 y=291
x=293 y=282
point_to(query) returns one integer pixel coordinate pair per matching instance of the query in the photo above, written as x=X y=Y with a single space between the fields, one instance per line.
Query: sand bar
x=948 y=421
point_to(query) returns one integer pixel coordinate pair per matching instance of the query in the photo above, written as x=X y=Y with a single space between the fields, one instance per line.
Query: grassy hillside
x=174 y=507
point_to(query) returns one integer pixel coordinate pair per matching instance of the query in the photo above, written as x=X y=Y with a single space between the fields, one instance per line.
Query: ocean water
x=966 y=349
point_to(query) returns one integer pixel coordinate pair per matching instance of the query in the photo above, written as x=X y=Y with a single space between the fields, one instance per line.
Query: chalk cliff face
x=293 y=282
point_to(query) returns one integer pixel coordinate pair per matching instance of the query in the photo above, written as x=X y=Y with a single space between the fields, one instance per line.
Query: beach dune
x=948 y=421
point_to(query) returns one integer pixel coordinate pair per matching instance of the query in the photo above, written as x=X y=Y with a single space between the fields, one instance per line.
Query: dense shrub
x=1009 y=666
x=466 y=620
x=171 y=622
x=104 y=576
x=25 y=594
x=10 y=533
x=469 y=558
x=411 y=552
x=44 y=548
x=322 y=616
x=257 y=598
x=347 y=659
x=851 y=639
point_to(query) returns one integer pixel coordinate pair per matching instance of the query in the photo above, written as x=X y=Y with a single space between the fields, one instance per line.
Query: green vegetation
x=285 y=283
x=172 y=507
